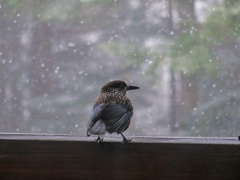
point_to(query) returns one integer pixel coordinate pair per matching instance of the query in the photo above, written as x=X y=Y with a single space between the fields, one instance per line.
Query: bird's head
x=118 y=87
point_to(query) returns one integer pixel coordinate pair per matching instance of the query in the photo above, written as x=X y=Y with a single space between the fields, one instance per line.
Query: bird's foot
x=99 y=139
x=125 y=140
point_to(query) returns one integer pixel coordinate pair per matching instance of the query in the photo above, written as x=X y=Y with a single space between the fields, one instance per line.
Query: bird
x=112 y=110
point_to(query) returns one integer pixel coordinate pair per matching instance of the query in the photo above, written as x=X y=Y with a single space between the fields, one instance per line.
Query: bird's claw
x=125 y=140
x=99 y=139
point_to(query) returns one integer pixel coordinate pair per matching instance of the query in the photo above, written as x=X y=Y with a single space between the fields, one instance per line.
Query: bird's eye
x=122 y=86
x=109 y=89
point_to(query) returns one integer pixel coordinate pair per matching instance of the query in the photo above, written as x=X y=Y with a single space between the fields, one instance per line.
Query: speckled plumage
x=112 y=110
x=115 y=97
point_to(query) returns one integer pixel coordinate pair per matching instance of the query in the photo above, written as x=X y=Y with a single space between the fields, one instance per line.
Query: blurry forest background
x=184 y=54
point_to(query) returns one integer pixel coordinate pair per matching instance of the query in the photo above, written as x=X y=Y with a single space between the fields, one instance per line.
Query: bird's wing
x=95 y=124
x=98 y=128
x=117 y=117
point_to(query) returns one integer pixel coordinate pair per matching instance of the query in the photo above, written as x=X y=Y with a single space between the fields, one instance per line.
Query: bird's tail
x=98 y=128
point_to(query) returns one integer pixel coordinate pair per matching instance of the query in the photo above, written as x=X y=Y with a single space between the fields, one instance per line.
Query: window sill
x=45 y=156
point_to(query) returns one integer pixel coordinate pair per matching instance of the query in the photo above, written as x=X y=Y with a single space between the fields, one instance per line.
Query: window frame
x=48 y=156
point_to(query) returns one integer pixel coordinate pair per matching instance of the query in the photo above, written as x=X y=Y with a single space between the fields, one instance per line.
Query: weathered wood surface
x=29 y=156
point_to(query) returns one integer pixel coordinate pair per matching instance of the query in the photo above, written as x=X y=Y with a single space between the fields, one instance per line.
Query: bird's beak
x=132 y=87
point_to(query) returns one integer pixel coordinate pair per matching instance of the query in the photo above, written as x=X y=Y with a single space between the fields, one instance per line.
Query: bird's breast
x=113 y=98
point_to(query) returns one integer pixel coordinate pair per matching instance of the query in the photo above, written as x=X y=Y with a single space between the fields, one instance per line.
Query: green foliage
x=135 y=54
x=59 y=10
x=67 y=10
x=223 y=25
x=10 y=3
x=131 y=53
x=14 y=6
x=190 y=53
x=46 y=10
x=193 y=50
x=217 y=121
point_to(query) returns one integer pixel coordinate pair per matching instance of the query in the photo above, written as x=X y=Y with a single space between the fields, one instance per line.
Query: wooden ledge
x=135 y=139
x=46 y=156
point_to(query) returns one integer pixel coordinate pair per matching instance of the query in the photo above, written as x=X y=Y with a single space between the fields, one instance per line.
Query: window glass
x=55 y=55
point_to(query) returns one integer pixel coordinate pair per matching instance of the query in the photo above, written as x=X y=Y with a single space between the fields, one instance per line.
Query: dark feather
x=117 y=117
x=96 y=115
x=112 y=117
x=98 y=128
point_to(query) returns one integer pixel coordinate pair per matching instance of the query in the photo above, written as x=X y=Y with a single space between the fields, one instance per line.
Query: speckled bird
x=112 y=110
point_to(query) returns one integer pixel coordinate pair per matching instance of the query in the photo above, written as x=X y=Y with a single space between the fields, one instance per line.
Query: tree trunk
x=41 y=59
x=189 y=82
x=172 y=83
